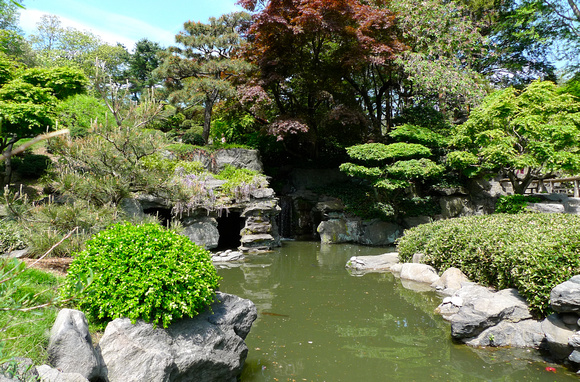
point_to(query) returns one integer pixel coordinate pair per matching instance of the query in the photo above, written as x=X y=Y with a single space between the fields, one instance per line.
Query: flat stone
x=546 y=208
x=377 y=263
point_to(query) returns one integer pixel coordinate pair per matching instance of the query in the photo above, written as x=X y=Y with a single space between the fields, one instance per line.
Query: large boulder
x=208 y=347
x=482 y=308
x=521 y=334
x=70 y=348
x=238 y=157
x=379 y=233
x=421 y=273
x=336 y=231
x=565 y=297
x=202 y=231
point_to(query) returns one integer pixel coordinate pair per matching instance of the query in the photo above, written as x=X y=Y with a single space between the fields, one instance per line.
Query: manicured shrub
x=142 y=272
x=31 y=165
x=530 y=252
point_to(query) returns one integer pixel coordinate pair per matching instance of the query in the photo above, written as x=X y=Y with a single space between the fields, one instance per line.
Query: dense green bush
x=142 y=272
x=12 y=237
x=513 y=204
x=530 y=252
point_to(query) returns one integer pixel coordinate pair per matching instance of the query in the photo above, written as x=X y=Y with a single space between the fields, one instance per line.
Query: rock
x=414 y=221
x=449 y=307
x=418 y=258
x=546 y=208
x=453 y=206
x=450 y=281
x=338 y=231
x=557 y=337
x=208 y=347
x=574 y=356
x=132 y=208
x=202 y=231
x=330 y=205
x=227 y=256
x=373 y=263
x=18 y=253
x=422 y=273
x=379 y=233
x=483 y=308
x=48 y=374
x=70 y=348
x=522 y=334
x=263 y=193
x=239 y=158
x=18 y=369
x=565 y=297
x=396 y=268
x=148 y=202
x=569 y=318
x=574 y=341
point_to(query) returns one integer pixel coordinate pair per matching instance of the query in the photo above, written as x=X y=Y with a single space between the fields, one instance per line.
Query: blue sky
x=126 y=21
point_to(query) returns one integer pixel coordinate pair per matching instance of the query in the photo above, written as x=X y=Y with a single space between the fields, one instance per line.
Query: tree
x=526 y=135
x=202 y=68
x=28 y=99
x=142 y=63
x=305 y=50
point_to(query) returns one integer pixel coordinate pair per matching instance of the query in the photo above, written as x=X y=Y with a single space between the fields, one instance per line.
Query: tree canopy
x=526 y=135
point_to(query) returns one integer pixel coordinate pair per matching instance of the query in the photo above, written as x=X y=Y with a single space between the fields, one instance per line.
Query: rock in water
x=209 y=347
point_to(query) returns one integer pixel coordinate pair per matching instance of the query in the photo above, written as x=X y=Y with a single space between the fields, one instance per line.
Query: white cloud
x=112 y=28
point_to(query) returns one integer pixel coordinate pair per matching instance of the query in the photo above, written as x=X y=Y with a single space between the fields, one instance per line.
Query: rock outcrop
x=209 y=347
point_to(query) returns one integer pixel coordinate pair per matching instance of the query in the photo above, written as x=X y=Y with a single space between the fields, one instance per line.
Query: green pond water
x=317 y=322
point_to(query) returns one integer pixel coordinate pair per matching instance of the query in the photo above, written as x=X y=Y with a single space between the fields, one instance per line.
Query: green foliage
x=414 y=169
x=168 y=167
x=241 y=181
x=193 y=138
x=359 y=200
x=25 y=333
x=417 y=206
x=79 y=113
x=530 y=252
x=381 y=152
x=514 y=204
x=536 y=130
x=358 y=171
x=424 y=116
x=106 y=166
x=12 y=237
x=63 y=81
x=143 y=272
x=417 y=134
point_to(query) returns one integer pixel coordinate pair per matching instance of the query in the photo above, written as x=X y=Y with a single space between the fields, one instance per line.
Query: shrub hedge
x=530 y=252
x=142 y=272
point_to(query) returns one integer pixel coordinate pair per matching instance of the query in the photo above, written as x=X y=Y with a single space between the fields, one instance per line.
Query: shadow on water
x=316 y=322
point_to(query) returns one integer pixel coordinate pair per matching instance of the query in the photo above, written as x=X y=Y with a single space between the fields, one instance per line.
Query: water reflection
x=318 y=323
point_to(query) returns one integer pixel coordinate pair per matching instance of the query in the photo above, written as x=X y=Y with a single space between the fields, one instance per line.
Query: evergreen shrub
x=142 y=272
x=530 y=252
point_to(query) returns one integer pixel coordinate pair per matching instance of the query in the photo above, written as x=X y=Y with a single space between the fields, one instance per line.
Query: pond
x=317 y=322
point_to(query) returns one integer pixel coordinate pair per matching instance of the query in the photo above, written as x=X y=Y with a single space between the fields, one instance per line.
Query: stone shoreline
x=481 y=317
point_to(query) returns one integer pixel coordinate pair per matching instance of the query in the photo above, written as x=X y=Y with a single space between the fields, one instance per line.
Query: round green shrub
x=142 y=272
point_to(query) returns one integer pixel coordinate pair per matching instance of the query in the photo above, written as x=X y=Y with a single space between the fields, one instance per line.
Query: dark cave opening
x=163 y=214
x=229 y=227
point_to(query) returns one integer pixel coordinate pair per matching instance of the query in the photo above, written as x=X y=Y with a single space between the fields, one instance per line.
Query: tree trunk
x=208 y=111
x=8 y=164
